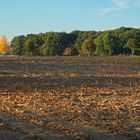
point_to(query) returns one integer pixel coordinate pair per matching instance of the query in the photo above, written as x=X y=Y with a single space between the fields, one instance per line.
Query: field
x=69 y=98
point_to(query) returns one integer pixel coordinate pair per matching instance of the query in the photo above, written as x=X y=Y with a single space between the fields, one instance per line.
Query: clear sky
x=35 y=16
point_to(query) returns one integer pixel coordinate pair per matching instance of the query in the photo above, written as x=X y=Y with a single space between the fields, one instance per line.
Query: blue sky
x=35 y=16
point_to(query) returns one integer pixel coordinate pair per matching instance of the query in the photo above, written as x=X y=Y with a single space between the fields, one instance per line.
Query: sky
x=21 y=17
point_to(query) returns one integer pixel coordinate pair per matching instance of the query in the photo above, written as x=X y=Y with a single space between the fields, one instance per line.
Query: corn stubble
x=83 y=111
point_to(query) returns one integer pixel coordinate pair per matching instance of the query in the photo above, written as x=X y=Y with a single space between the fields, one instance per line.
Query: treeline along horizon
x=121 y=41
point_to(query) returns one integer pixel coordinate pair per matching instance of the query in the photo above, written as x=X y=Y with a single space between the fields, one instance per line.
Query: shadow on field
x=13 y=128
x=20 y=83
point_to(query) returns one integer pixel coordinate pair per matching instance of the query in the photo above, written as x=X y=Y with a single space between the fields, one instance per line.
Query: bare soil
x=70 y=98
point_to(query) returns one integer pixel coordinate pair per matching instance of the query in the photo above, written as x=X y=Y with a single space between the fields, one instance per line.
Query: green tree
x=111 y=44
x=44 y=49
x=17 y=45
x=81 y=37
x=133 y=45
x=32 y=44
x=99 y=45
x=88 y=47
x=55 y=44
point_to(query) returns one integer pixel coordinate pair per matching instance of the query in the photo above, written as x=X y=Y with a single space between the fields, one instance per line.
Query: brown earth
x=70 y=98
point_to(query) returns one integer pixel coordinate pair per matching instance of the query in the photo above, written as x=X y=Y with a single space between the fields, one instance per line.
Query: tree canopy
x=123 y=40
x=3 y=45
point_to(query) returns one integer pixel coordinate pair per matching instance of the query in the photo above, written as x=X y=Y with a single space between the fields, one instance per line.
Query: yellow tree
x=4 y=48
x=67 y=52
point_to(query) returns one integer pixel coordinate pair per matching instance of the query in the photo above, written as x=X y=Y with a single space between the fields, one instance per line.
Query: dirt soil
x=69 y=98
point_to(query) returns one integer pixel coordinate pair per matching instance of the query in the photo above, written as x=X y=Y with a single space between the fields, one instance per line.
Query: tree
x=99 y=46
x=4 y=48
x=70 y=51
x=32 y=44
x=44 y=49
x=87 y=43
x=81 y=37
x=111 y=44
x=88 y=47
x=67 y=52
x=55 y=44
x=133 y=45
x=17 y=45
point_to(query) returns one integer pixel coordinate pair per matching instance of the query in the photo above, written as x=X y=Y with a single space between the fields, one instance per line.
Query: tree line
x=121 y=41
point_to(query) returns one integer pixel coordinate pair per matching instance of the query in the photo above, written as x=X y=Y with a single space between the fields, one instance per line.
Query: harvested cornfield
x=86 y=98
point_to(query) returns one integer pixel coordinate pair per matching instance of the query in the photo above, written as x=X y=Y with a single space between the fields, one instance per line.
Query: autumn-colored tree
x=67 y=52
x=3 y=45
